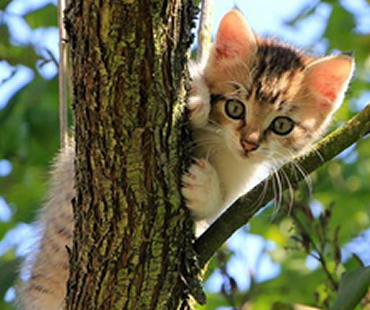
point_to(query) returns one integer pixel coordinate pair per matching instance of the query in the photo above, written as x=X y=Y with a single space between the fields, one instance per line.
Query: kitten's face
x=258 y=104
x=270 y=100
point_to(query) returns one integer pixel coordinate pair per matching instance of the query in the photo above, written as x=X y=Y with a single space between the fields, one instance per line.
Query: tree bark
x=132 y=230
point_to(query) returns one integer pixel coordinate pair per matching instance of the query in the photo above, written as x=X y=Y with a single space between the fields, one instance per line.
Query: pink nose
x=249 y=146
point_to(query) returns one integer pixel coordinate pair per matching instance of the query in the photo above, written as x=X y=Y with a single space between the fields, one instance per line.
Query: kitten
x=255 y=104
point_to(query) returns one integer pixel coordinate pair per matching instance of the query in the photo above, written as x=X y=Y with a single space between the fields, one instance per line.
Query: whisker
x=306 y=176
x=274 y=189
x=291 y=192
x=318 y=154
x=279 y=196
x=299 y=169
x=263 y=193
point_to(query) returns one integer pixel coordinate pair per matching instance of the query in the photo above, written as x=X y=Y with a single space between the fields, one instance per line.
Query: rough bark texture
x=132 y=230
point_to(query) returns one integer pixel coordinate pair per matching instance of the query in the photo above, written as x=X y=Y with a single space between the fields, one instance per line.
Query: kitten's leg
x=49 y=263
x=202 y=191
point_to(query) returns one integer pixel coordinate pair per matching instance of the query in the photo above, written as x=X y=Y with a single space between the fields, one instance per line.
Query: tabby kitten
x=255 y=104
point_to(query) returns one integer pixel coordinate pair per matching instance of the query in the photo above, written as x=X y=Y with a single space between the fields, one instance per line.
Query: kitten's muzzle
x=248 y=145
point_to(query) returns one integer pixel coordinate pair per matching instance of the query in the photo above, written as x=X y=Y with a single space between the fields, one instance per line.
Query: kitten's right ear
x=328 y=79
x=234 y=39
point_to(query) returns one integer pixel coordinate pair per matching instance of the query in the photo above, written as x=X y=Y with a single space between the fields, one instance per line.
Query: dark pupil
x=282 y=125
x=234 y=109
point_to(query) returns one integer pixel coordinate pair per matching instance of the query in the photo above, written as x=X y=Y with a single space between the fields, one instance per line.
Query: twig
x=246 y=206
x=204 y=32
x=62 y=75
x=319 y=249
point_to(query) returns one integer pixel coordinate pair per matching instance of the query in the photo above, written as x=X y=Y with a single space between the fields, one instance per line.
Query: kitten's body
x=266 y=80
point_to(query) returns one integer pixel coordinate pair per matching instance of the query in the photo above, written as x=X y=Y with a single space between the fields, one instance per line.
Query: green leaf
x=340 y=27
x=282 y=306
x=16 y=54
x=352 y=287
x=213 y=302
x=8 y=272
x=44 y=17
x=4 y=4
x=305 y=12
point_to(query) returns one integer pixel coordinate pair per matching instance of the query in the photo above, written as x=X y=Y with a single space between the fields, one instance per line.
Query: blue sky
x=268 y=16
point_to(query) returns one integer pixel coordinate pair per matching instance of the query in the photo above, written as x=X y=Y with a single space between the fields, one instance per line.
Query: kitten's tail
x=45 y=272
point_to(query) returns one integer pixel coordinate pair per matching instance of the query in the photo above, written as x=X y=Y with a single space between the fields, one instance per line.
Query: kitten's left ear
x=328 y=78
x=234 y=37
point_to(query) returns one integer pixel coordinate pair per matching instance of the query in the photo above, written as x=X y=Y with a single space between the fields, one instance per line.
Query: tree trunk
x=132 y=230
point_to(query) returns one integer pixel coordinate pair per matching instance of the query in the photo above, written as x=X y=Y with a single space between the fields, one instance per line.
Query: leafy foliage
x=353 y=286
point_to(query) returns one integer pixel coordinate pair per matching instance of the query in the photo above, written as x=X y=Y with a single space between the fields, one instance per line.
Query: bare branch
x=246 y=206
x=62 y=75
x=204 y=32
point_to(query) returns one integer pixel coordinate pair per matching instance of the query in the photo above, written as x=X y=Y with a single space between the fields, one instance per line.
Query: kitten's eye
x=282 y=125
x=234 y=109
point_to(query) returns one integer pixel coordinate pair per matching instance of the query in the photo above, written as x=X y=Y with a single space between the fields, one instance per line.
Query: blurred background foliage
x=294 y=251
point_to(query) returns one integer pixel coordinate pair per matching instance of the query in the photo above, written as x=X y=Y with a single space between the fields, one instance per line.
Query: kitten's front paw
x=201 y=189
x=199 y=101
x=199 y=111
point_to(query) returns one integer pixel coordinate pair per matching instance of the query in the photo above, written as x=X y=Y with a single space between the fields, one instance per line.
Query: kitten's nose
x=248 y=145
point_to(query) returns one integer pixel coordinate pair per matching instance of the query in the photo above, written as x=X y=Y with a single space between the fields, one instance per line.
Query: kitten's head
x=268 y=98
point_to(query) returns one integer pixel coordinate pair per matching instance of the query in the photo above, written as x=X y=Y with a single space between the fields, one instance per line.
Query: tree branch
x=246 y=206
x=204 y=32
x=63 y=116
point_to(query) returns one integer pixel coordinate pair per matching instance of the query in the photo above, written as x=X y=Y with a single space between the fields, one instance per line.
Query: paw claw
x=201 y=189
x=200 y=163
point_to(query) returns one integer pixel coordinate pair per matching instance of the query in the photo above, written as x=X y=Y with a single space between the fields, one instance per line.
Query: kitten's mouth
x=245 y=154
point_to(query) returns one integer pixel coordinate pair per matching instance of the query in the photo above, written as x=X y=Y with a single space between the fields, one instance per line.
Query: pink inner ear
x=234 y=37
x=329 y=87
x=329 y=77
